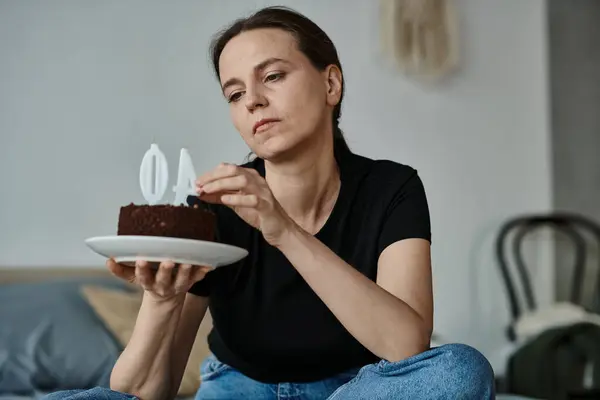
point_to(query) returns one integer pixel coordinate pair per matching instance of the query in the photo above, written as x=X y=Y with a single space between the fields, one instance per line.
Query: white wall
x=86 y=86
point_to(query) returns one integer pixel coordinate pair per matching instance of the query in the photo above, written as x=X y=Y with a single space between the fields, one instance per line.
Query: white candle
x=154 y=175
x=186 y=178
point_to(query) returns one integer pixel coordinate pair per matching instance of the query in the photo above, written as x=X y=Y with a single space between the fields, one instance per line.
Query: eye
x=234 y=97
x=275 y=76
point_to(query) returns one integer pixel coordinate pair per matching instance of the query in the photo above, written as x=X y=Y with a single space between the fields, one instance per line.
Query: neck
x=306 y=185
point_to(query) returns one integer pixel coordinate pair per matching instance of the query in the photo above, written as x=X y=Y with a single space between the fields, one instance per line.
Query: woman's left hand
x=248 y=194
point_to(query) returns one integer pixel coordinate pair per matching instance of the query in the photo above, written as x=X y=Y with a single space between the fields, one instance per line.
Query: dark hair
x=311 y=40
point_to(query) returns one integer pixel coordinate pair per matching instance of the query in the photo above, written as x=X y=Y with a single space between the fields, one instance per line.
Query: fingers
x=212 y=198
x=120 y=270
x=224 y=170
x=144 y=275
x=239 y=200
x=188 y=275
x=199 y=273
x=182 y=279
x=161 y=280
x=231 y=184
x=163 y=283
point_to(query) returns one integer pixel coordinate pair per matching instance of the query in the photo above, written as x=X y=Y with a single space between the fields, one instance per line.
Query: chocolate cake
x=168 y=221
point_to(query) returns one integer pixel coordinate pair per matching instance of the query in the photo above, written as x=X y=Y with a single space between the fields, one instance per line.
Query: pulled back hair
x=311 y=40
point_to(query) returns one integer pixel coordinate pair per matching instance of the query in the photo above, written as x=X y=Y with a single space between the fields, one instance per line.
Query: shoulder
x=381 y=175
x=394 y=196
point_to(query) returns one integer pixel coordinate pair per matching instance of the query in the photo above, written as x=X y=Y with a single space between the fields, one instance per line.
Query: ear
x=334 y=83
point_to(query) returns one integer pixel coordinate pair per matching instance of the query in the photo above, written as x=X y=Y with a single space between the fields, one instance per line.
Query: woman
x=335 y=298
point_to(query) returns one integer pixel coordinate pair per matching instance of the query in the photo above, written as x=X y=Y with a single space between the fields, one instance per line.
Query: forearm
x=144 y=367
x=384 y=324
x=192 y=315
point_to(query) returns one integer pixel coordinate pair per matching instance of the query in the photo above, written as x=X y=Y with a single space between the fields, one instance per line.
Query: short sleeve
x=407 y=215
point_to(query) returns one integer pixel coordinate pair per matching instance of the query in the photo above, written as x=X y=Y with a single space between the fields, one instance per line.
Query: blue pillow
x=51 y=339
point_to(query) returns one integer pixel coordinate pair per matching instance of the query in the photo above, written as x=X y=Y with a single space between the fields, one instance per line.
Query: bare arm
x=194 y=311
x=391 y=317
x=152 y=365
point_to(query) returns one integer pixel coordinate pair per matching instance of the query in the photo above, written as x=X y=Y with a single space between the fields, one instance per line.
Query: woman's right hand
x=162 y=282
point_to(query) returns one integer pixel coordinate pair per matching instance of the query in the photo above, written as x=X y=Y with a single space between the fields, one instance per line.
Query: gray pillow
x=51 y=339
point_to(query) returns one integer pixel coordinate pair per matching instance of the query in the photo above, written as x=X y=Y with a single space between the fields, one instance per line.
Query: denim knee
x=467 y=368
x=61 y=395
x=453 y=371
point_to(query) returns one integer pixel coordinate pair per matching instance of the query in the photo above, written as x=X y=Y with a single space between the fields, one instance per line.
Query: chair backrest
x=510 y=240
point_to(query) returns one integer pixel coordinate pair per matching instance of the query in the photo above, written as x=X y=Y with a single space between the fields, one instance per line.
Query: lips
x=263 y=122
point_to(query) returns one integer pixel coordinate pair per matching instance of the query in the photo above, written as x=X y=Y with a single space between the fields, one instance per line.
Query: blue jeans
x=452 y=371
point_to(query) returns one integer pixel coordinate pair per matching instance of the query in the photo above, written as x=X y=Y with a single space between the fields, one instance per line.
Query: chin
x=273 y=150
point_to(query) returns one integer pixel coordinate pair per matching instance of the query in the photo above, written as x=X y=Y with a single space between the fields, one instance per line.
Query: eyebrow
x=260 y=66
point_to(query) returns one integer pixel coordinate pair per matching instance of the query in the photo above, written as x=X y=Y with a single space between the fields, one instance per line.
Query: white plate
x=156 y=248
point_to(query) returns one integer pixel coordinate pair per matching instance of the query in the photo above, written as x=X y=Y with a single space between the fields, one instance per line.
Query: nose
x=255 y=99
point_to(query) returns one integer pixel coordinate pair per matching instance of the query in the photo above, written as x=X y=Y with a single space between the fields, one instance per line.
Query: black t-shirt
x=267 y=321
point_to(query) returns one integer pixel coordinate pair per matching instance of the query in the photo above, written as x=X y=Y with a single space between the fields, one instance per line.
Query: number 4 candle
x=154 y=176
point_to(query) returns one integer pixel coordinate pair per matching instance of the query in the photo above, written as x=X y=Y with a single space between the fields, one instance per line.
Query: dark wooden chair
x=581 y=232
x=515 y=274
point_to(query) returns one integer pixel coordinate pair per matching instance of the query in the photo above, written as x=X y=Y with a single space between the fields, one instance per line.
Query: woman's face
x=278 y=100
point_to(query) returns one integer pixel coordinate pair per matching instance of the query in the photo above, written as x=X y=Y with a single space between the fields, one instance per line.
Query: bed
x=65 y=328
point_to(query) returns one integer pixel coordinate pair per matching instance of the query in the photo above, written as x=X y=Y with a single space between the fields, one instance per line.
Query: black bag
x=560 y=363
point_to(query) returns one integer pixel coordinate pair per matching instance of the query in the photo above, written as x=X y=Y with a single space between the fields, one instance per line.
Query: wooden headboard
x=14 y=275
